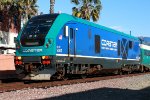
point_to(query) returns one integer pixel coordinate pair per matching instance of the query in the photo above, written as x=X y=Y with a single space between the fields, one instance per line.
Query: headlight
x=19 y=58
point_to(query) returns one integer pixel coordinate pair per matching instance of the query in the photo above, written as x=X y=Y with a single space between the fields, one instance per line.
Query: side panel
x=85 y=47
x=145 y=55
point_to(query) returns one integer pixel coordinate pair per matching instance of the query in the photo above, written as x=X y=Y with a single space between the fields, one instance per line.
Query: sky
x=121 y=15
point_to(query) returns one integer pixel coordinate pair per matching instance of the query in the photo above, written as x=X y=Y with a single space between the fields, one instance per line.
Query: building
x=9 y=28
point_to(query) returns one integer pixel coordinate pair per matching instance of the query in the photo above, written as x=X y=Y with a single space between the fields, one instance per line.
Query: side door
x=124 y=48
x=72 y=42
x=70 y=33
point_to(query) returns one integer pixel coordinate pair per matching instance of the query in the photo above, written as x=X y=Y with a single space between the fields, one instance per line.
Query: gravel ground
x=129 y=88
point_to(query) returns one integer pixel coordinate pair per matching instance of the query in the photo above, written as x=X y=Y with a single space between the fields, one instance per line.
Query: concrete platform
x=7 y=68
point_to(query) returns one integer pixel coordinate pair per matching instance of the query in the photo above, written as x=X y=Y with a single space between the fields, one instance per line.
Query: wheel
x=120 y=72
x=27 y=82
x=64 y=78
x=129 y=71
x=142 y=69
x=116 y=72
x=83 y=76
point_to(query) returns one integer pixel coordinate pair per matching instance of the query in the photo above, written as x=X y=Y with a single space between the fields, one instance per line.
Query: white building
x=9 y=28
x=7 y=45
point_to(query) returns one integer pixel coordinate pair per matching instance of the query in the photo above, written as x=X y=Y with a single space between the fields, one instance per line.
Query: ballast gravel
x=128 y=88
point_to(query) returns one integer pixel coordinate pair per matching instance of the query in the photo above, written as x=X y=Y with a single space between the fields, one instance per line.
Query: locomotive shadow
x=8 y=76
x=106 y=94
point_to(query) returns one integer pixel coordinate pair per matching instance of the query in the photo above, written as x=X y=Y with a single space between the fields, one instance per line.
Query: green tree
x=18 y=9
x=87 y=9
x=5 y=4
x=52 y=2
x=26 y=8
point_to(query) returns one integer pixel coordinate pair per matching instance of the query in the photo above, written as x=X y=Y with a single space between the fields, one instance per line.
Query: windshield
x=36 y=30
x=146 y=40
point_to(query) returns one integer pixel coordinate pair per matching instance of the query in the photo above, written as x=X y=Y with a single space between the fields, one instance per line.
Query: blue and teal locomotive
x=60 y=45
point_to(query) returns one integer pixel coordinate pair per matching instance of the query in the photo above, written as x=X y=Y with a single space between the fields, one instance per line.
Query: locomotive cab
x=31 y=45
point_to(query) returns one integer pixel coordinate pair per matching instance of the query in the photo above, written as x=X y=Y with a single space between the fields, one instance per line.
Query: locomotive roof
x=62 y=19
x=45 y=16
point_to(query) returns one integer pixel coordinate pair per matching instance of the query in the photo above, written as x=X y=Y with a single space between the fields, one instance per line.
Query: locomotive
x=58 y=46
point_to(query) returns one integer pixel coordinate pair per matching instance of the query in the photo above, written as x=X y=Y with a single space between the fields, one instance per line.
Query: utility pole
x=130 y=33
x=52 y=2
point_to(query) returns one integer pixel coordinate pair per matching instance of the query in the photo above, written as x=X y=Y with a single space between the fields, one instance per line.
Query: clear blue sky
x=122 y=15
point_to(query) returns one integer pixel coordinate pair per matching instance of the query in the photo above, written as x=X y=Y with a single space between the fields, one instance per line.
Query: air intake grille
x=32 y=59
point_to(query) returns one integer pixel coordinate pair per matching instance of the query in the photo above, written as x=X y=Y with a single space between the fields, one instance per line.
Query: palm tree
x=1 y=5
x=5 y=4
x=87 y=9
x=27 y=8
x=19 y=8
x=52 y=2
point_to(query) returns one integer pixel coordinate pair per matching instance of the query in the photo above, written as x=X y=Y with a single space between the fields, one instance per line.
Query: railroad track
x=13 y=86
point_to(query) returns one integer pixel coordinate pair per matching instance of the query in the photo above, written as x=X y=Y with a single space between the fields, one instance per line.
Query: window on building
x=97 y=43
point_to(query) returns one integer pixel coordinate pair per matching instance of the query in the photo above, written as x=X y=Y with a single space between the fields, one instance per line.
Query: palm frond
x=88 y=9
x=76 y=2
x=97 y=1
